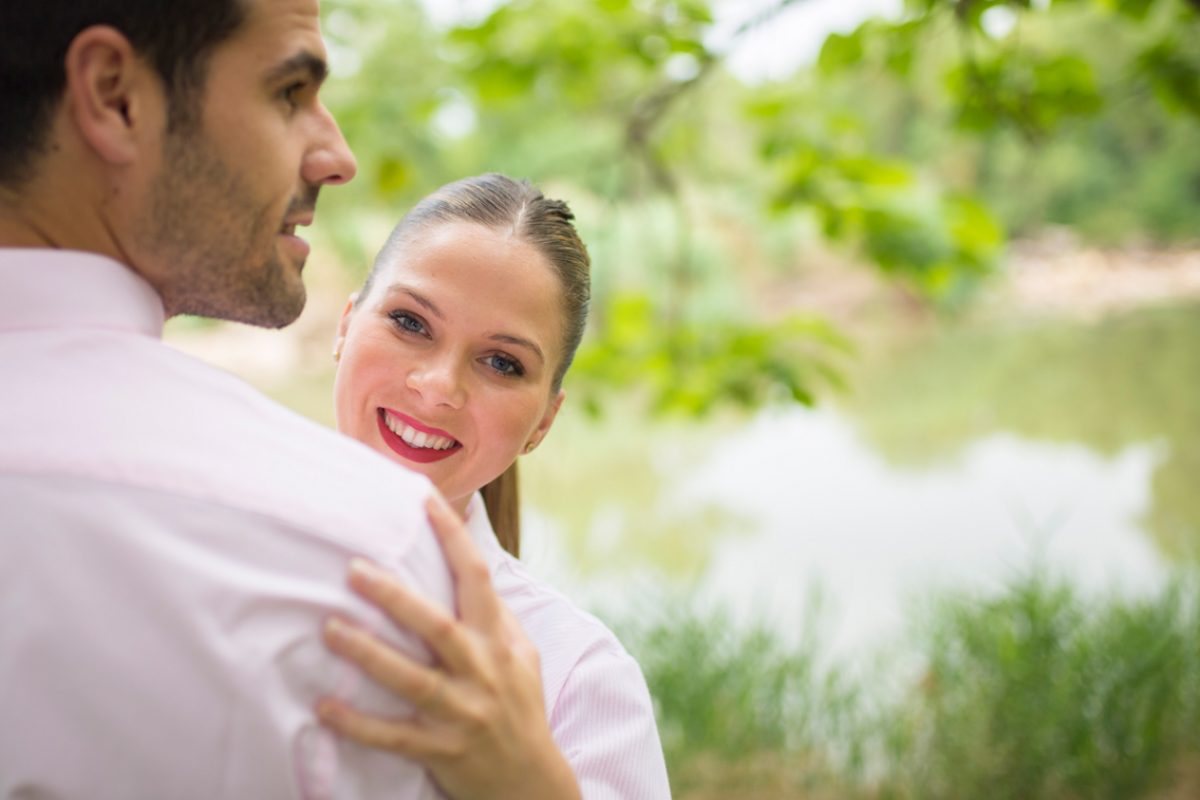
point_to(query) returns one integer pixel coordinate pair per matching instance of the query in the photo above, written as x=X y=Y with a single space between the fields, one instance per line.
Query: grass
x=1041 y=692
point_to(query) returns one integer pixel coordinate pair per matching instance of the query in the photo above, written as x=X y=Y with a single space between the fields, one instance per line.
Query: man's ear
x=115 y=98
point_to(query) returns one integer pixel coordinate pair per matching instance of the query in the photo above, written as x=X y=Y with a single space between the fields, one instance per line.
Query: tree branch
x=649 y=110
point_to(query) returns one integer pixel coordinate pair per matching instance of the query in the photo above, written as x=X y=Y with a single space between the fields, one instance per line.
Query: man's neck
x=14 y=233
x=16 y=227
x=48 y=214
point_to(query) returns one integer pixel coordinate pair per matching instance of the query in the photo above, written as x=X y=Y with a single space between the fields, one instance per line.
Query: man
x=170 y=541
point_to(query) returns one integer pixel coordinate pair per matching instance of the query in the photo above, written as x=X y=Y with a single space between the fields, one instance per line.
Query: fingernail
x=435 y=503
x=364 y=570
x=336 y=629
x=327 y=710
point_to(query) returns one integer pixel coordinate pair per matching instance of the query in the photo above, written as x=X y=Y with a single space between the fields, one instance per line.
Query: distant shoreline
x=1058 y=277
x=1051 y=276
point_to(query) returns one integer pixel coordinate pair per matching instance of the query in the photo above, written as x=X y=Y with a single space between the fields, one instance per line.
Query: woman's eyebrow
x=431 y=307
x=508 y=338
x=421 y=299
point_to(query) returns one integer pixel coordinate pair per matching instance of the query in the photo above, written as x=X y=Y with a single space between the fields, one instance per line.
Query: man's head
x=183 y=138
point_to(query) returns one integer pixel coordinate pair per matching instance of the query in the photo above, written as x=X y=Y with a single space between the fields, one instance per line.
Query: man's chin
x=281 y=313
x=265 y=306
x=280 y=300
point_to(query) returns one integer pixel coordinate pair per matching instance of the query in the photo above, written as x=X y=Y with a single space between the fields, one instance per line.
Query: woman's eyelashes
x=501 y=363
x=409 y=323
x=505 y=365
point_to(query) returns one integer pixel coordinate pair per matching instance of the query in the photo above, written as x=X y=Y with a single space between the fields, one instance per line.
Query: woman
x=450 y=362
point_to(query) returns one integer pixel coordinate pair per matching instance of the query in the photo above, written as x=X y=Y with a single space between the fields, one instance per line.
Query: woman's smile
x=447 y=366
x=412 y=440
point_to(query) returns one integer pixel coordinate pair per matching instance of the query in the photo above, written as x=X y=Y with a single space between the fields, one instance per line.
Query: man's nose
x=329 y=160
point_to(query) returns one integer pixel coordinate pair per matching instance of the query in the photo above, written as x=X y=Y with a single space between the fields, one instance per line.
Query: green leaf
x=840 y=51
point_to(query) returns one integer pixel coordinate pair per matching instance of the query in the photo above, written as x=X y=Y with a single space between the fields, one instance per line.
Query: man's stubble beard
x=216 y=241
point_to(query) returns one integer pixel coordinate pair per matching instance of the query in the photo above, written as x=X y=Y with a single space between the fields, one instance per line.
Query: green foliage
x=1037 y=692
x=719 y=689
x=694 y=367
x=1036 y=94
x=936 y=242
x=727 y=698
x=1173 y=70
x=914 y=143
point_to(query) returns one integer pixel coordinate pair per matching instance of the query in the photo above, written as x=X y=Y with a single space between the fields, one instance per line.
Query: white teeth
x=415 y=438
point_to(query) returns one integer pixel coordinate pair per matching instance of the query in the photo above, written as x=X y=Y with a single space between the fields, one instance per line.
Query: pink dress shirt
x=170 y=542
x=599 y=709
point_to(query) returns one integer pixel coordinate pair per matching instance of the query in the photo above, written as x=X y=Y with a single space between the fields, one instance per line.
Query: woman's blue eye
x=407 y=322
x=505 y=365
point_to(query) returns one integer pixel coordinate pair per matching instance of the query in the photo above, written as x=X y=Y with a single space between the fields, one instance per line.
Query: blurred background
x=883 y=450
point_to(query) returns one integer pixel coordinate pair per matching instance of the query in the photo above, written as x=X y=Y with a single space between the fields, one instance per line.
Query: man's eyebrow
x=314 y=65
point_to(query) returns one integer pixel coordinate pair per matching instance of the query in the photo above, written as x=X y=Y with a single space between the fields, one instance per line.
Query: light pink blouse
x=600 y=711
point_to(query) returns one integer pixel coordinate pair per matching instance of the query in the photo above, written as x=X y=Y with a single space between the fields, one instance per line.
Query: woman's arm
x=481 y=726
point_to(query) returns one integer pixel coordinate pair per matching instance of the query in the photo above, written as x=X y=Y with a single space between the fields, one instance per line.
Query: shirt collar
x=42 y=288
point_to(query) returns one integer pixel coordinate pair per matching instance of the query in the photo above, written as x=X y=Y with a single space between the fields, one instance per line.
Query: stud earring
x=337 y=348
x=528 y=448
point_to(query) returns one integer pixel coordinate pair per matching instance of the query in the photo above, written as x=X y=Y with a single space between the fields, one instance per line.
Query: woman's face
x=446 y=366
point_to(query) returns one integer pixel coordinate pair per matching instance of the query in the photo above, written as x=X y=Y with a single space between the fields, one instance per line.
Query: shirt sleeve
x=604 y=724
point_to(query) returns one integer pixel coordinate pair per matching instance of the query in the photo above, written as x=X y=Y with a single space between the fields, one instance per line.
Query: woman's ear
x=116 y=99
x=344 y=325
x=546 y=421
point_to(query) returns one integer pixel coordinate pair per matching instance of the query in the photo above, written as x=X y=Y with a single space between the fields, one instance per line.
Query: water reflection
x=961 y=462
x=1120 y=382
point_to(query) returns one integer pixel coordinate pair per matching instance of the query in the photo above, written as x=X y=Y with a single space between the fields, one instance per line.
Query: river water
x=957 y=462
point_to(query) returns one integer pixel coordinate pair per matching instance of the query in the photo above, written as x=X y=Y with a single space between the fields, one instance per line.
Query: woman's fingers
x=413 y=612
x=477 y=601
x=425 y=688
x=406 y=738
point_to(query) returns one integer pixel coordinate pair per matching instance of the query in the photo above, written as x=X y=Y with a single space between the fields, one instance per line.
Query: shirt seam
x=294 y=523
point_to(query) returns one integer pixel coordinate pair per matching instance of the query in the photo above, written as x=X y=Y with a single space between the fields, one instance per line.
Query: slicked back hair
x=498 y=202
x=174 y=36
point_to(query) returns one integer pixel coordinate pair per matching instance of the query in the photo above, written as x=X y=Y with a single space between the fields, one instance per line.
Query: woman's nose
x=438 y=383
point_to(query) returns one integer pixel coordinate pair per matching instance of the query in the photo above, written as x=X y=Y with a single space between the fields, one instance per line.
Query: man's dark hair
x=175 y=36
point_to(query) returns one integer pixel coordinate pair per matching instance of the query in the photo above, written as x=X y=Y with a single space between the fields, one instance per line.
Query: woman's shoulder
x=597 y=701
x=567 y=636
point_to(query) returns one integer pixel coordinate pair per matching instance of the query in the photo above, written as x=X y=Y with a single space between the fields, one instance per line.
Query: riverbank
x=1038 y=692
x=1053 y=275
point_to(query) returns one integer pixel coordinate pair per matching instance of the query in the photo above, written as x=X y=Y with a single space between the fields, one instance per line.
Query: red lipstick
x=421 y=455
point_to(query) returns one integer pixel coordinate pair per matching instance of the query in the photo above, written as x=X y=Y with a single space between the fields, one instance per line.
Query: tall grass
x=1040 y=692
x=738 y=710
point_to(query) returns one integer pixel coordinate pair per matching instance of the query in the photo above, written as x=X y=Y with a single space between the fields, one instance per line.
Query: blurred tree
x=896 y=145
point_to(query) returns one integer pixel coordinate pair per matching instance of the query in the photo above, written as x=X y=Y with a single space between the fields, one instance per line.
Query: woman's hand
x=481 y=726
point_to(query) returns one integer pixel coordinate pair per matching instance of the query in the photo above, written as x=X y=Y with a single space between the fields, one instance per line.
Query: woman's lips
x=421 y=455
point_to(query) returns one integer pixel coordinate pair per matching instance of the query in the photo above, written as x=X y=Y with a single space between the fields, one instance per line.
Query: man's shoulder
x=132 y=410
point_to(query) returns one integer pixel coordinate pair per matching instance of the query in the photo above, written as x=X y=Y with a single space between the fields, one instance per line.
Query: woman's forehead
x=489 y=276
